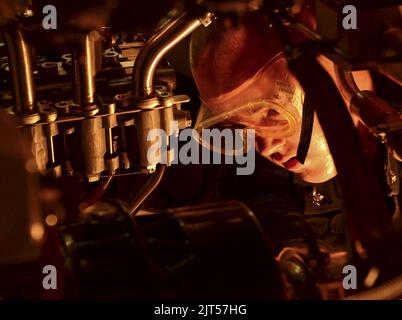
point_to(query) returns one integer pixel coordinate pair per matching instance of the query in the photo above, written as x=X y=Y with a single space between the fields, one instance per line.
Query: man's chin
x=316 y=177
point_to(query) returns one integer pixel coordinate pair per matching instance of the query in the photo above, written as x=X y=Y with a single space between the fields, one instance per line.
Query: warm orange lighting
x=371 y=277
x=30 y=166
x=37 y=231
x=51 y=220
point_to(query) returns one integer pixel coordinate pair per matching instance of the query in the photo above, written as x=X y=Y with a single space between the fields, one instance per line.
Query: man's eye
x=273 y=118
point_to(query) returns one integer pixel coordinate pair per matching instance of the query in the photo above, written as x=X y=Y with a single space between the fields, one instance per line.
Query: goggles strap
x=306 y=130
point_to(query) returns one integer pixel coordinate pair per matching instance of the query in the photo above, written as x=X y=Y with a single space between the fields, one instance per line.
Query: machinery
x=78 y=103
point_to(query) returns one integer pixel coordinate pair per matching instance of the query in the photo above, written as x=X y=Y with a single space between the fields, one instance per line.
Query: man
x=243 y=81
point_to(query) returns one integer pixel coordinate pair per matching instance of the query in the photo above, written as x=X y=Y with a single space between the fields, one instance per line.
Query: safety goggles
x=267 y=117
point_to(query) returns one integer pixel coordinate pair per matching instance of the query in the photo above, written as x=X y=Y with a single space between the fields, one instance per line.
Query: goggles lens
x=266 y=116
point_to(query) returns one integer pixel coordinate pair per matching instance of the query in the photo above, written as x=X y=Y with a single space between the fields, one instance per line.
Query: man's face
x=271 y=103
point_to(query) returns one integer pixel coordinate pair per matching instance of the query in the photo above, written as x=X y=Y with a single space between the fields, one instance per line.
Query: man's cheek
x=291 y=145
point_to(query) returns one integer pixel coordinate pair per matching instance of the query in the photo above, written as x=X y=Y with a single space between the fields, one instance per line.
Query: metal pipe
x=96 y=194
x=50 y=148
x=159 y=44
x=302 y=28
x=84 y=71
x=146 y=190
x=109 y=141
x=19 y=56
x=346 y=82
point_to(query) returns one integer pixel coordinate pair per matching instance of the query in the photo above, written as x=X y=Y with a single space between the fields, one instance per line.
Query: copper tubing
x=370 y=109
x=146 y=190
x=96 y=194
x=19 y=56
x=143 y=72
x=374 y=111
x=158 y=45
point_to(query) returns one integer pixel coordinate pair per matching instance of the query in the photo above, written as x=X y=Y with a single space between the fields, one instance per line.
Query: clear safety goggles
x=267 y=117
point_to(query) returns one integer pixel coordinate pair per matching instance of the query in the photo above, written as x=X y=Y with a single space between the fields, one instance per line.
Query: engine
x=98 y=201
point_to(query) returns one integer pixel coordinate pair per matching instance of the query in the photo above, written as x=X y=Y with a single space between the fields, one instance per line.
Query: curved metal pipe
x=159 y=44
x=20 y=62
x=346 y=82
x=96 y=194
x=146 y=190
